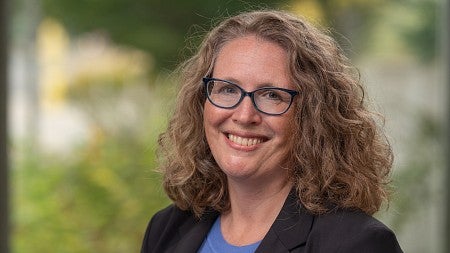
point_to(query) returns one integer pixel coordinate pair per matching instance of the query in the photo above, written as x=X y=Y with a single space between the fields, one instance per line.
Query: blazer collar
x=193 y=233
x=290 y=229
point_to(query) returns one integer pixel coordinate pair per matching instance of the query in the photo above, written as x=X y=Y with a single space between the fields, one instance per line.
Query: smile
x=244 y=141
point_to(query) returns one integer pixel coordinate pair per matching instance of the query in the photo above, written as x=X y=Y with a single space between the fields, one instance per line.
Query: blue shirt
x=215 y=243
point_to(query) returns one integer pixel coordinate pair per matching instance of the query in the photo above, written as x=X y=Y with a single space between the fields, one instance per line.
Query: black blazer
x=294 y=230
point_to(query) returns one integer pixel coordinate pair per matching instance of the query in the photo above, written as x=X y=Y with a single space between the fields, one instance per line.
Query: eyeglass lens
x=268 y=100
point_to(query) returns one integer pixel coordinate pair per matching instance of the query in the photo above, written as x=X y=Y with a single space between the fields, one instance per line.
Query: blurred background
x=90 y=88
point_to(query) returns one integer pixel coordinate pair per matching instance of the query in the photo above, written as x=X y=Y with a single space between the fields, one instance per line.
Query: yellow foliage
x=52 y=41
x=313 y=9
x=92 y=59
x=350 y=3
x=309 y=9
x=107 y=179
x=52 y=50
x=100 y=63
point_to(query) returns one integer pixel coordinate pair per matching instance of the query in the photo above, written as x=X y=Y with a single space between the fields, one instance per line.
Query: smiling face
x=246 y=143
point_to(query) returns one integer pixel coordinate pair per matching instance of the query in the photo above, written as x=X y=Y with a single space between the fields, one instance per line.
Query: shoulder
x=173 y=228
x=163 y=227
x=353 y=231
x=168 y=216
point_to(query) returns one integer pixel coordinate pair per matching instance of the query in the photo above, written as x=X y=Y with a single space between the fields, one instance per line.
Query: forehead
x=251 y=59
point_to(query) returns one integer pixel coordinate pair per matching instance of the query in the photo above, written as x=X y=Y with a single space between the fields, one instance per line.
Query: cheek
x=284 y=126
x=213 y=116
x=285 y=129
x=211 y=120
x=208 y=115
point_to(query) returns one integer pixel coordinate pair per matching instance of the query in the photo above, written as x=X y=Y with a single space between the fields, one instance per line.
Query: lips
x=244 y=141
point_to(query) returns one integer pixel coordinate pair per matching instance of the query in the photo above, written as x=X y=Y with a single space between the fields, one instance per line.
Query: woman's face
x=246 y=143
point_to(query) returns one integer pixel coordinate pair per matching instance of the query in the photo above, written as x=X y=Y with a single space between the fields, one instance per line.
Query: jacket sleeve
x=160 y=230
x=145 y=243
x=347 y=231
x=374 y=239
x=148 y=239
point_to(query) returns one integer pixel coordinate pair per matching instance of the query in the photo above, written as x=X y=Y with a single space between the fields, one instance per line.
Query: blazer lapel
x=193 y=233
x=290 y=229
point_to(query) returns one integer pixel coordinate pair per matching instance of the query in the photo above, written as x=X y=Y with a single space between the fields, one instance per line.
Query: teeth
x=244 y=141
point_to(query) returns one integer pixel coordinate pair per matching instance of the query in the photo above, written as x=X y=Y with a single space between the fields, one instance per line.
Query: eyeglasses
x=268 y=100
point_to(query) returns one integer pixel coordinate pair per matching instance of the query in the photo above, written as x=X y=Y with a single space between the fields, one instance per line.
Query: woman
x=271 y=147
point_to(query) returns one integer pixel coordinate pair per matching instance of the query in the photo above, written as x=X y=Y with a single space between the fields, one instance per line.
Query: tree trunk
x=4 y=190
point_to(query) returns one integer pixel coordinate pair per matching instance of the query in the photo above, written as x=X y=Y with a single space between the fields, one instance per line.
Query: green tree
x=159 y=27
x=99 y=197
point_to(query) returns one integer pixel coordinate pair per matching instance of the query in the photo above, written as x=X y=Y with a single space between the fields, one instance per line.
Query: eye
x=272 y=95
x=225 y=88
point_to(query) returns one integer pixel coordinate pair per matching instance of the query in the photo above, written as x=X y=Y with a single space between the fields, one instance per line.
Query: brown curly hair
x=339 y=158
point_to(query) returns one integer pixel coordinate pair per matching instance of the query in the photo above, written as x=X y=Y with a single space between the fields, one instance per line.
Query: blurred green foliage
x=79 y=206
x=163 y=27
x=99 y=197
x=160 y=27
x=413 y=178
x=421 y=34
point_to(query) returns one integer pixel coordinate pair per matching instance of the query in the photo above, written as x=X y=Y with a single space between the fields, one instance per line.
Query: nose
x=245 y=113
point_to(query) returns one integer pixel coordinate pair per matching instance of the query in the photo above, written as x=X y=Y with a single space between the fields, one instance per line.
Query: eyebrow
x=258 y=86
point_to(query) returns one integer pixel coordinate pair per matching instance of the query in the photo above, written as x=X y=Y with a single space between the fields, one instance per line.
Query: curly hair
x=340 y=158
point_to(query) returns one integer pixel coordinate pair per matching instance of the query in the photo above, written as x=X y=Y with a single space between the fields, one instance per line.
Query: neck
x=248 y=199
x=253 y=210
x=249 y=195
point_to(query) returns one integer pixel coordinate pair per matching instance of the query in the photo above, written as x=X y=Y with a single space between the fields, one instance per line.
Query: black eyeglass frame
x=245 y=93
